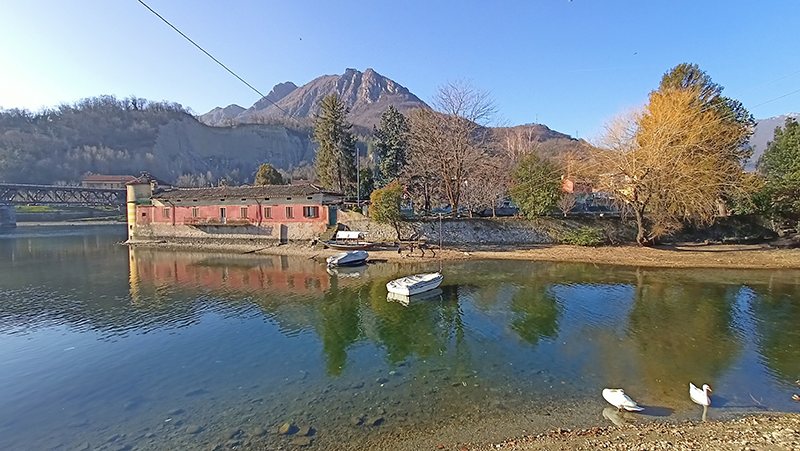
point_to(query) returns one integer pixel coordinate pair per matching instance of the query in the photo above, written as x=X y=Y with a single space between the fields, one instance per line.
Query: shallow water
x=128 y=350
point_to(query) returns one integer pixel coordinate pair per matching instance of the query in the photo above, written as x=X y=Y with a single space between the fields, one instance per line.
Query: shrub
x=585 y=236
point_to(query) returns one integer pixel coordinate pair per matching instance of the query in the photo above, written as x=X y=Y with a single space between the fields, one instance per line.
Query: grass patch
x=34 y=209
x=585 y=236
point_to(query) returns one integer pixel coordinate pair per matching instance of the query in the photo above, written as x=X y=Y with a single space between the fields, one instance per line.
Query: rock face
x=367 y=94
x=191 y=147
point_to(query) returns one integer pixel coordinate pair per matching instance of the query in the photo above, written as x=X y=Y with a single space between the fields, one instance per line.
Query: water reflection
x=229 y=338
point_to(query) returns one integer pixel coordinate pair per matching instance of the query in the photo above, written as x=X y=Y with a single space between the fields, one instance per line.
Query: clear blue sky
x=570 y=64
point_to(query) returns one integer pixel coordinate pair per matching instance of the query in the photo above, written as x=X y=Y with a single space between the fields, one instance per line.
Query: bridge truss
x=11 y=193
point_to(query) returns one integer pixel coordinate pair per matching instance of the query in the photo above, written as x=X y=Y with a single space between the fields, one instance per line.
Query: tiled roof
x=108 y=178
x=242 y=192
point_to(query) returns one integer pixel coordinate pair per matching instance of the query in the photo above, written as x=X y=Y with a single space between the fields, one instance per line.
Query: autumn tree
x=385 y=205
x=335 y=160
x=536 y=186
x=391 y=145
x=676 y=160
x=780 y=166
x=268 y=175
x=451 y=141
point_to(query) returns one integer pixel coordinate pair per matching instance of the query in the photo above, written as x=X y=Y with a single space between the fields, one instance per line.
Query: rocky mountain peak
x=367 y=94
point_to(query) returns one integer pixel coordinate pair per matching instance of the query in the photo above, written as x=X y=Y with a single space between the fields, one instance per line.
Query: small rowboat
x=418 y=283
x=349 y=258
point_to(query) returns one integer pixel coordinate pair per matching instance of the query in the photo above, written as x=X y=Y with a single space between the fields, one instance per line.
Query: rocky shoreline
x=774 y=432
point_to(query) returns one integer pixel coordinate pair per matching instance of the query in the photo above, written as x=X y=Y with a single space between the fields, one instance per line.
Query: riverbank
x=687 y=255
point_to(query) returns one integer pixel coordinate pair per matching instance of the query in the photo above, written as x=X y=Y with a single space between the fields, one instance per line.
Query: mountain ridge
x=367 y=95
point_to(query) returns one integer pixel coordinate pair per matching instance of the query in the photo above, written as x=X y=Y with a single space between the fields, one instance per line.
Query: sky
x=571 y=65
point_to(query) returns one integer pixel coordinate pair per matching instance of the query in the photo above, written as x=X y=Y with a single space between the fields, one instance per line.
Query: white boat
x=347 y=240
x=418 y=283
x=349 y=258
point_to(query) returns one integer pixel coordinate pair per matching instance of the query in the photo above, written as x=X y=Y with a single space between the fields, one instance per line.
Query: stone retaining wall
x=455 y=232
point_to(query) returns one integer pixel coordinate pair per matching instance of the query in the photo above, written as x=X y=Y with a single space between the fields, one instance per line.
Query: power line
x=776 y=98
x=212 y=57
x=769 y=83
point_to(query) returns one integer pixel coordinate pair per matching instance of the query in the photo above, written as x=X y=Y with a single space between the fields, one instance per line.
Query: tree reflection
x=777 y=311
x=340 y=326
x=536 y=313
x=683 y=331
x=421 y=329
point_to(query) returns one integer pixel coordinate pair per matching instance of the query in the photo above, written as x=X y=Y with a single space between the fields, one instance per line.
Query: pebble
x=258 y=432
x=304 y=430
x=301 y=441
x=284 y=429
x=355 y=421
x=375 y=421
x=231 y=433
x=193 y=429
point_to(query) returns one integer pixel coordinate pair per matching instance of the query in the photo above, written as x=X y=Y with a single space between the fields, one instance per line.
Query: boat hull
x=349 y=247
x=416 y=284
x=351 y=258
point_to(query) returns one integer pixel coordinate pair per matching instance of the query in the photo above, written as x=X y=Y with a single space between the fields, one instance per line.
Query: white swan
x=617 y=398
x=700 y=396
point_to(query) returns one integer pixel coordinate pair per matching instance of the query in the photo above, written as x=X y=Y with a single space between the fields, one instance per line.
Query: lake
x=102 y=347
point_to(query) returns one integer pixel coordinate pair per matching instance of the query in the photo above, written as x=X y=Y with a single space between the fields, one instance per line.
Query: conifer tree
x=391 y=145
x=335 y=160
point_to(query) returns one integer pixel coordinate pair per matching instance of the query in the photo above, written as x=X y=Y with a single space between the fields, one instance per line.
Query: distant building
x=574 y=186
x=270 y=212
x=106 y=181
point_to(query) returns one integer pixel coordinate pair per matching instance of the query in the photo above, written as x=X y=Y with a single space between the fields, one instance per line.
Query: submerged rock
x=193 y=429
x=301 y=441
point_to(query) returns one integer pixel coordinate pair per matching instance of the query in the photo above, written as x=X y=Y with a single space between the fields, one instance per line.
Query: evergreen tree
x=367 y=183
x=268 y=175
x=335 y=160
x=537 y=186
x=391 y=145
x=780 y=166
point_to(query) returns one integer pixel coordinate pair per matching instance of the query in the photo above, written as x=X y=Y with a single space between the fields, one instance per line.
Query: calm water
x=124 y=349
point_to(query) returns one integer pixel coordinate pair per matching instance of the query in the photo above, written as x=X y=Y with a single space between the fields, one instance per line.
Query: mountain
x=764 y=133
x=220 y=116
x=108 y=136
x=367 y=94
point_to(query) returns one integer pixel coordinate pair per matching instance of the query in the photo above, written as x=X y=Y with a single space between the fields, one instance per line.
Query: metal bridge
x=19 y=194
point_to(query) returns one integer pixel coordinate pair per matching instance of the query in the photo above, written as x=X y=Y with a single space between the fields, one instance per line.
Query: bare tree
x=566 y=203
x=452 y=142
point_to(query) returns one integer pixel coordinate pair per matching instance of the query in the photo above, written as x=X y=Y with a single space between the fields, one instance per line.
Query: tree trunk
x=640 y=239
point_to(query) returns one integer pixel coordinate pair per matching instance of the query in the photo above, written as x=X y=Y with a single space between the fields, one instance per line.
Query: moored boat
x=347 y=240
x=349 y=258
x=418 y=283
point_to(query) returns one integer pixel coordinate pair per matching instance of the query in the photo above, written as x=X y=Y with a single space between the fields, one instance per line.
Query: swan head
x=706 y=388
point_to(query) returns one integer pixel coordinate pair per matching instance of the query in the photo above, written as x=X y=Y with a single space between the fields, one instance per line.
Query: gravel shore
x=779 y=432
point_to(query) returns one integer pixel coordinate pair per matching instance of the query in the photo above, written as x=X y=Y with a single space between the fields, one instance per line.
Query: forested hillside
x=106 y=135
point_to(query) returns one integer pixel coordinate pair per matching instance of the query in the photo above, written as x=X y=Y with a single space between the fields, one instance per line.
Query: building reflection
x=151 y=268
